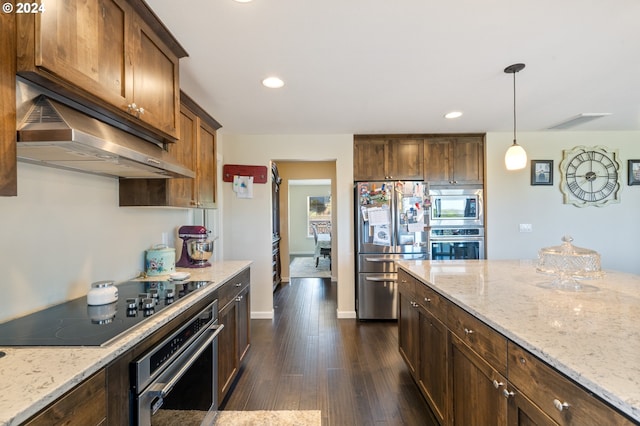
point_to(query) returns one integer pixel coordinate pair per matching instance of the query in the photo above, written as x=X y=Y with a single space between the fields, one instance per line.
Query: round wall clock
x=590 y=176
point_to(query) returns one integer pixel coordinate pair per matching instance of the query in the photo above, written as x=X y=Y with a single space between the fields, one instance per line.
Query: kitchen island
x=33 y=377
x=590 y=337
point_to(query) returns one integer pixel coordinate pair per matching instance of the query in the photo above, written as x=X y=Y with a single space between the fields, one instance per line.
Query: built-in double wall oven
x=456 y=224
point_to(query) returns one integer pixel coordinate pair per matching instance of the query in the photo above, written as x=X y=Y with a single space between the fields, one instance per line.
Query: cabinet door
x=155 y=80
x=85 y=405
x=523 y=412
x=408 y=331
x=437 y=162
x=84 y=43
x=206 y=166
x=227 y=348
x=467 y=161
x=476 y=392
x=432 y=368
x=369 y=159
x=405 y=159
x=182 y=191
x=244 y=323
x=8 y=164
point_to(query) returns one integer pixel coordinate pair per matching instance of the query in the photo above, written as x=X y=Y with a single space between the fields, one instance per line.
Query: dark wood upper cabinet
x=113 y=56
x=454 y=160
x=195 y=150
x=8 y=166
x=386 y=158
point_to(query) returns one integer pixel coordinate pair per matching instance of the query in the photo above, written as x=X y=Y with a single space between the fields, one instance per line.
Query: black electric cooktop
x=74 y=323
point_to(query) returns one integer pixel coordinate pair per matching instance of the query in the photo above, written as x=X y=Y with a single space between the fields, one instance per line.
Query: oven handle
x=166 y=387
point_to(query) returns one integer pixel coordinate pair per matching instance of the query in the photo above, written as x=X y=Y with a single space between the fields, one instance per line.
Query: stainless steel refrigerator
x=390 y=224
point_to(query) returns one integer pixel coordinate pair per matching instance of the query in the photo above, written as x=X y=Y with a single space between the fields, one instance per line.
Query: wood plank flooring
x=307 y=359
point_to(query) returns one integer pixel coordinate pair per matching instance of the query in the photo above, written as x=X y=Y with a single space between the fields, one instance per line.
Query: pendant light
x=516 y=157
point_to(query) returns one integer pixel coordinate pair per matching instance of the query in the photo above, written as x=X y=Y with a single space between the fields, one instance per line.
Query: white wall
x=247 y=222
x=65 y=230
x=612 y=230
x=299 y=241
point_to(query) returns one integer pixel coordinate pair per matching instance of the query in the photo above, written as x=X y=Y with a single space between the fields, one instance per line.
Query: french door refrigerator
x=390 y=223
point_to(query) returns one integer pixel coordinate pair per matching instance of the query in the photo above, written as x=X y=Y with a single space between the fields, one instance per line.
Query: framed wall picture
x=541 y=172
x=634 y=172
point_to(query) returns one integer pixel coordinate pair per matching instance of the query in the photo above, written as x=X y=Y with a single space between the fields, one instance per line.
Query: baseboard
x=346 y=314
x=262 y=315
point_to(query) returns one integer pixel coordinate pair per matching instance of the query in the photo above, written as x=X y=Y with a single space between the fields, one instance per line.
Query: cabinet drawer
x=407 y=284
x=432 y=301
x=484 y=340
x=84 y=405
x=549 y=389
x=232 y=288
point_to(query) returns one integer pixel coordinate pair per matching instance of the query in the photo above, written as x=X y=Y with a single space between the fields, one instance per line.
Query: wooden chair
x=323 y=251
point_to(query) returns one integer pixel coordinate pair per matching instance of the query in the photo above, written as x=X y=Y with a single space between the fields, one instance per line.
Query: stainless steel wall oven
x=457 y=243
x=180 y=373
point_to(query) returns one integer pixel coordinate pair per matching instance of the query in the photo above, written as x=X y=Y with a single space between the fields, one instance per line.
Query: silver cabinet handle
x=426 y=299
x=381 y=279
x=560 y=405
x=497 y=384
x=238 y=284
x=468 y=331
x=507 y=394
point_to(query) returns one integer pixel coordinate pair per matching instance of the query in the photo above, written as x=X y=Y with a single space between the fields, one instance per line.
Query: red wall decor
x=259 y=173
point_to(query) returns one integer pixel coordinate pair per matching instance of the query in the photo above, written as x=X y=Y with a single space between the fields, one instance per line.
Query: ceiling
x=397 y=66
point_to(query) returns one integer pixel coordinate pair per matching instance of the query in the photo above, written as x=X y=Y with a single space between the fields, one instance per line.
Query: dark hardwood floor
x=307 y=359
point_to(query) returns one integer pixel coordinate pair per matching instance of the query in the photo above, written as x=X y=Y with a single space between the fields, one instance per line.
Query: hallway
x=307 y=359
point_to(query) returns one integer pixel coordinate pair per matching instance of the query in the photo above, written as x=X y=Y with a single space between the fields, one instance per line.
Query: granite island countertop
x=593 y=337
x=33 y=377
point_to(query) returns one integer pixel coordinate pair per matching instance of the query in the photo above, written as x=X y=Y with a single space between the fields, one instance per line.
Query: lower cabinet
x=84 y=405
x=235 y=338
x=470 y=374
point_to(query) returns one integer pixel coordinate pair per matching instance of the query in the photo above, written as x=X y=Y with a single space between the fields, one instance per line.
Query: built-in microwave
x=456 y=207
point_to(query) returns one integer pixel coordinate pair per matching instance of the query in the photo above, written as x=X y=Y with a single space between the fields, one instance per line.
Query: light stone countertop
x=33 y=377
x=592 y=337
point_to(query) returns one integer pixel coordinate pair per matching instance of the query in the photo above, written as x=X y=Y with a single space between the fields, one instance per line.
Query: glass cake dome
x=569 y=264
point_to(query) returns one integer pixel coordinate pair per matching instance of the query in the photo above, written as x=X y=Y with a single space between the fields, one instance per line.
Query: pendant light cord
x=514 y=107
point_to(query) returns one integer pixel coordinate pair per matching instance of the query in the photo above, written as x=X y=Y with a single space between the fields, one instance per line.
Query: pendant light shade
x=516 y=156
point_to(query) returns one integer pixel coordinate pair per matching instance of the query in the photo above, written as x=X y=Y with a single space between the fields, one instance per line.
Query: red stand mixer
x=196 y=248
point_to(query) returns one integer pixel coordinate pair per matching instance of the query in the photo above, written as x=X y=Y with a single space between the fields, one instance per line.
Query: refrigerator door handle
x=379 y=260
x=381 y=279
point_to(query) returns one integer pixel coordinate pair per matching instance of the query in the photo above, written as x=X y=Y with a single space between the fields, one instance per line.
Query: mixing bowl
x=200 y=250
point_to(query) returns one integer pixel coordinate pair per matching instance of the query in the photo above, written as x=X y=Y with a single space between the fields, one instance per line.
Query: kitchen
x=74 y=216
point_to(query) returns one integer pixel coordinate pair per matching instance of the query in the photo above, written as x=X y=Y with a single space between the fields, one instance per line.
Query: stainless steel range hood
x=53 y=134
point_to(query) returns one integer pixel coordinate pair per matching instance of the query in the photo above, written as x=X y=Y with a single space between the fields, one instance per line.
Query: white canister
x=102 y=293
x=160 y=260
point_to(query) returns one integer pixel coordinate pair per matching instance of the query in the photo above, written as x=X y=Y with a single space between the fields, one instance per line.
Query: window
x=319 y=213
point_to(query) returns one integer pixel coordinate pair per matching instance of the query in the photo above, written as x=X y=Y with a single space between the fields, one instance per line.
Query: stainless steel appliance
x=180 y=373
x=390 y=225
x=449 y=243
x=456 y=207
x=53 y=134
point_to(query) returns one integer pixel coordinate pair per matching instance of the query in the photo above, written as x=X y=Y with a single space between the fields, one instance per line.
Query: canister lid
x=100 y=284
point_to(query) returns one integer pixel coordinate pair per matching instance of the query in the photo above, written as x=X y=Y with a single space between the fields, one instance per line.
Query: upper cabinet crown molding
x=114 y=56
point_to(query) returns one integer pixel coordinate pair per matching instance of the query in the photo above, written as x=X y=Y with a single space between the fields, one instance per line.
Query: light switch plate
x=526 y=227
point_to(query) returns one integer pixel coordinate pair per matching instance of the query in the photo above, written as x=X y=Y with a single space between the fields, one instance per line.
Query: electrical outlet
x=526 y=227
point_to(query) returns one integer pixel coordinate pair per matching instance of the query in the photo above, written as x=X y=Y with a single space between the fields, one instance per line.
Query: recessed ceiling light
x=243 y=1
x=272 y=82
x=453 y=114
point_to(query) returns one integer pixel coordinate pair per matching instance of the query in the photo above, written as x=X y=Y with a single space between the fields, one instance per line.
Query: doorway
x=310 y=224
x=302 y=179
